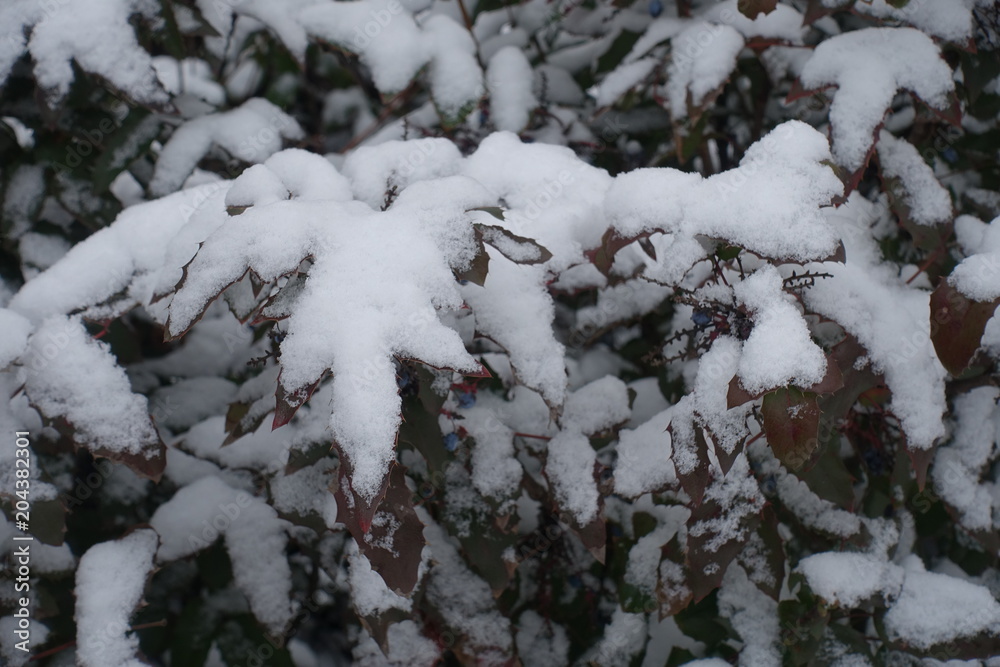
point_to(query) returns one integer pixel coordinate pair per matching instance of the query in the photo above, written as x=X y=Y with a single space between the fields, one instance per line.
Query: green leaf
x=193 y=634
x=241 y=642
x=728 y=252
x=495 y=211
x=616 y=53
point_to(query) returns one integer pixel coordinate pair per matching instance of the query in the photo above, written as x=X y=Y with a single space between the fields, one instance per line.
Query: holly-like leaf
x=388 y=531
x=603 y=256
x=764 y=557
x=707 y=559
x=957 y=325
x=694 y=481
x=791 y=424
x=752 y=8
x=373 y=292
x=517 y=249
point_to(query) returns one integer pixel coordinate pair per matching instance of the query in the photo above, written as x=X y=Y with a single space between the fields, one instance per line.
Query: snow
x=927 y=201
x=252 y=132
x=716 y=369
x=39 y=252
x=703 y=56
x=648 y=401
x=935 y=608
x=464 y=601
x=382 y=32
x=814 y=512
x=495 y=471
x=95 y=34
x=189 y=78
x=779 y=350
x=541 y=642
x=570 y=464
x=848 y=579
x=456 y=80
x=869 y=67
x=738 y=494
x=16 y=329
x=307 y=491
x=109 y=585
x=771 y=204
x=13 y=656
x=782 y=23
x=509 y=80
x=369 y=594
x=182 y=405
x=514 y=310
x=596 y=406
x=570 y=467
x=644 y=457
x=958 y=467
x=23 y=198
x=645 y=557
x=64 y=366
x=407 y=647
x=869 y=300
x=45 y=558
x=255 y=539
x=976 y=276
x=950 y=20
x=353 y=314
x=753 y=615
x=121 y=258
x=622 y=79
x=264 y=450
x=23 y=134
x=280 y=19
x=624 y=637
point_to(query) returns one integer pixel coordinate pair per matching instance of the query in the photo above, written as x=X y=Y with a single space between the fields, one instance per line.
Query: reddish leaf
x=752 y=8
x=695 y=481
x=797 y=92
x=511 y=246
x=726 y=459
x=388 y=531
x=957 y=325
x=833 y=380
x=707 y=566
x=287 y=404
x=239 y=422
x=603 y=256
x=815 y=11
x=353 y=510
x=594 y=536
x=737 y=395
x=791 y=423
x=920 y=459
x=952 y=114
x=766 y=568
x=478 y=269
x=672 y=591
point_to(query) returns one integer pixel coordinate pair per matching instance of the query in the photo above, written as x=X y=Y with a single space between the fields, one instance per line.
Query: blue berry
x=466 y=399
x=655 y=8
x=701 y=317
x=451 y=442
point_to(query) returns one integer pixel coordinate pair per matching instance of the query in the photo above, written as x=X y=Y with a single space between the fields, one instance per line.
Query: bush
x=550 y=333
